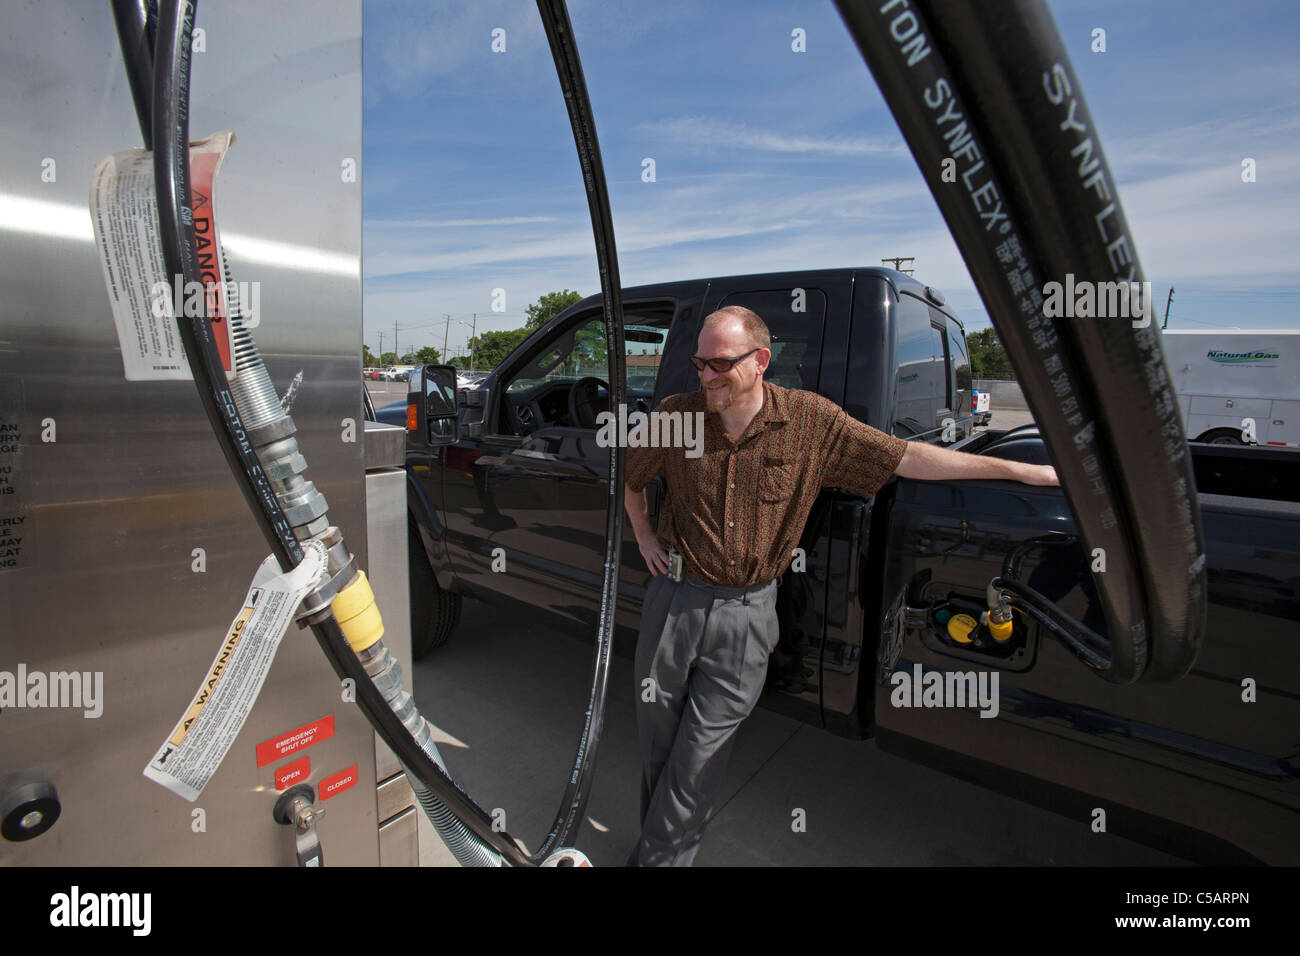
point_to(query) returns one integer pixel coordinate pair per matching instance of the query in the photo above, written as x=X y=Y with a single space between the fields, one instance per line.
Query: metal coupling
x=341 y=568
x=386 y=673
x=998 y=618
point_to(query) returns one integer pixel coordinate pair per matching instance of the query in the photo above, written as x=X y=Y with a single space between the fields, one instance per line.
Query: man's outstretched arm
x=932 y=463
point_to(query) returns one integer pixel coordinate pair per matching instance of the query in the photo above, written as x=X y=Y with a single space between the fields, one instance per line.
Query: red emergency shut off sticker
x=292 y=773
x=335 y=784
x=269 y=751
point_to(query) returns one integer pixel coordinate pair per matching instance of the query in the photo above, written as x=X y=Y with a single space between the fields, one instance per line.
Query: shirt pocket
x=776 y=483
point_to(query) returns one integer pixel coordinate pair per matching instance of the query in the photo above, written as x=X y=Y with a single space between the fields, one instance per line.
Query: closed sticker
x=337 y=783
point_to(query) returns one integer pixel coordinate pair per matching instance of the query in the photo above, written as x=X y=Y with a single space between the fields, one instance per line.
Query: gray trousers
x=701 y=660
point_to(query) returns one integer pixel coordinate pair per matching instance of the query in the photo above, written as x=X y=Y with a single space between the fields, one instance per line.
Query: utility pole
x=445 y=332
x=898 y=263
x=1168 y=302
x=473 y=333
x=381 y=350
x=397 y=356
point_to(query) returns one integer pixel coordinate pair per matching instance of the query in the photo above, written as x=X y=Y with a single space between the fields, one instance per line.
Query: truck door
x=530 y=512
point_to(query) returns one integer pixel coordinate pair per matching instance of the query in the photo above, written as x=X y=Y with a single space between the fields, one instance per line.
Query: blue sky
x=768 y=160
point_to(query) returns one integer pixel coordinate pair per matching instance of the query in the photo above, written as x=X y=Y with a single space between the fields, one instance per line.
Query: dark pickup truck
x=1205 y=767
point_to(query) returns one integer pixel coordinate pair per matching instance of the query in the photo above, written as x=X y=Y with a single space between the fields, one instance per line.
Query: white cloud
x=454 y=223
x=700 y=134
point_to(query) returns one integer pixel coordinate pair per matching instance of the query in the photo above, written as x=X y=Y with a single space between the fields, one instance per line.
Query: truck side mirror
x=431 y=404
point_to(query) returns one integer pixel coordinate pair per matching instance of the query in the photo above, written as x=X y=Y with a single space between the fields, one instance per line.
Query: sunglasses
x=719 y=365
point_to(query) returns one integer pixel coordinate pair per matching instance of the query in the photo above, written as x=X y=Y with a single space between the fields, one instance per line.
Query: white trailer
x=1237 y=386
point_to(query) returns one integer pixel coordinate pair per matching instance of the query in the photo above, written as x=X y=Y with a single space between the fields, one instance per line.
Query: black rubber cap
x=28 y=809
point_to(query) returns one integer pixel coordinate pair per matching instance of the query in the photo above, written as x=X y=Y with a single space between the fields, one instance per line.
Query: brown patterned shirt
x=736 y=512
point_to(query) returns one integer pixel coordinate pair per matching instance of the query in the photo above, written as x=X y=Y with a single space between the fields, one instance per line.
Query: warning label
x=195 y=748
x=335 y=784
x=269 y=751
x=146 y=301
x=17 y=534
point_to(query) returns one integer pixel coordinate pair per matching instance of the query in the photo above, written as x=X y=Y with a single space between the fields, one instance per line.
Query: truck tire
x=1222 y=436
x=435 y=612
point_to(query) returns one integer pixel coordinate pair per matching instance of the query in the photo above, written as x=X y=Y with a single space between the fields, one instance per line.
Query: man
x=735 y=514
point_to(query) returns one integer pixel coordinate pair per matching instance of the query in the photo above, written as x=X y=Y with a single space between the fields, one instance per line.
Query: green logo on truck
x=1243 y=358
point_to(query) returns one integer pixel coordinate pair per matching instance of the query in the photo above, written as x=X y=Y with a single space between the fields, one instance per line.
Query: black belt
x=724 y=591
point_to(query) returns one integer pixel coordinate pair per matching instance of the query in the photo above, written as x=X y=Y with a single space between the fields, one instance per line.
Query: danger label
x=335 y=784
x=292 y=773
x=145 y=300
x=269 y=751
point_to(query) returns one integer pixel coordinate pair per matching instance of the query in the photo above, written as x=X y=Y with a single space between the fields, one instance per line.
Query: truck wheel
x=1222 y=436
x=435 y=612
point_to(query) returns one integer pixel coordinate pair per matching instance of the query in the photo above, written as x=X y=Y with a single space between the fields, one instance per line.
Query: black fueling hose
x=564 y=51
x=169 y=128
x=137 y=20
x=986 y=99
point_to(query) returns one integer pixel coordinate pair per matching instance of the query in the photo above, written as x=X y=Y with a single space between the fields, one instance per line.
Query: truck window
x=577 y=353
x=960 y=367
x=960 y=361
x=919 y=393
x=796 y=335
x=645 y=353
x=537 y=395
x=942 y=365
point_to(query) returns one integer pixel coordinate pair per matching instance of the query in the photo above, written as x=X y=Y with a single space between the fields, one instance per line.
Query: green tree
x=548 y=307
x=589 y=346
x=428 y=356
x=408 y=359
x=460 y=361
x=490 y=348
x=368 y=357
x=987 y=357
x=388 y=358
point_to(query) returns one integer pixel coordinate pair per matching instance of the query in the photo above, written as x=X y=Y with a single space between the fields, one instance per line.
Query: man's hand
x=656 y=558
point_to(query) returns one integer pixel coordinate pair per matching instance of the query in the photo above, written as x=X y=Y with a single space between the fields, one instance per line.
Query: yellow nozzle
x=358 y=616
x=960 y=626
x=1000 y=632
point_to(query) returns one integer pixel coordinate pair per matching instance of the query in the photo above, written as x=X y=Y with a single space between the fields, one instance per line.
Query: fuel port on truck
x=963 y=625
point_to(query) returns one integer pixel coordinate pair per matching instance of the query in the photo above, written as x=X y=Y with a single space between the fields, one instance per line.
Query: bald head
x=750 y=325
